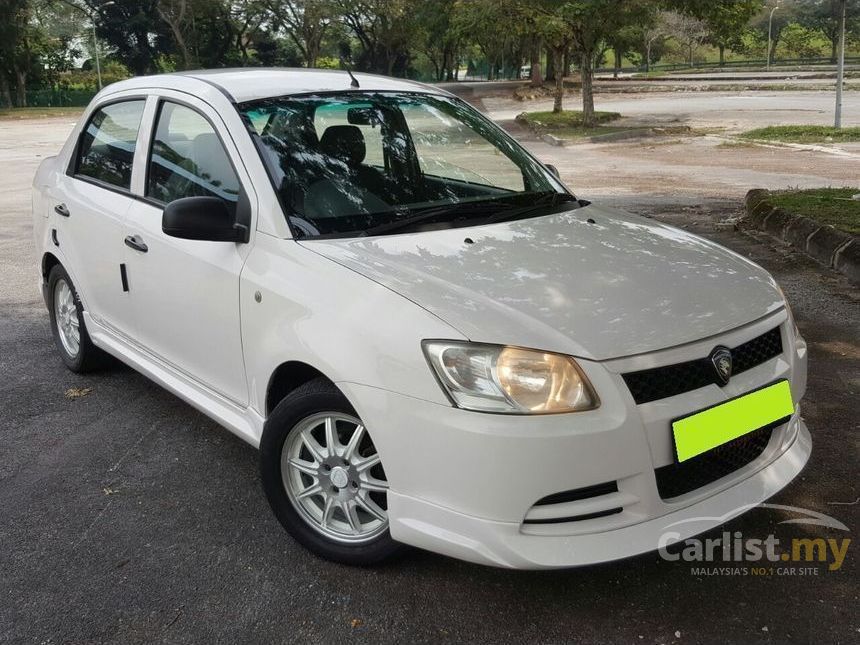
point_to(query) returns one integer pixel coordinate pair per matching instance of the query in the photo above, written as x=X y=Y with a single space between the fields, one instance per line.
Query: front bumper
x=465 y=484
x=503 y=544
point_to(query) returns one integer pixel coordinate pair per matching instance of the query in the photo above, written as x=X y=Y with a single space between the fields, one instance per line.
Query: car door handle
x=62 y=209
x=137 y=243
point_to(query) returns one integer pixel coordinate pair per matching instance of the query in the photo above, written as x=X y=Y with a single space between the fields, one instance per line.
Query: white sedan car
x=429 y=338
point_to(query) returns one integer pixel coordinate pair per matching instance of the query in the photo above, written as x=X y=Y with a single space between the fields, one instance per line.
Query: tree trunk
x=587 y=73
x=21 y=87
x=5 y=94
x=617 y=63
x=567 y=63
x=834 y=51
x=648 y=57
x=536 y=80
x=722 y=55
x=313 y=48
x=174 y=22
x=558 y=95
x=187 y=59
x=550 y=64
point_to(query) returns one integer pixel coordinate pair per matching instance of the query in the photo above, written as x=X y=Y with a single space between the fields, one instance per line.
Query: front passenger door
x=186 y=292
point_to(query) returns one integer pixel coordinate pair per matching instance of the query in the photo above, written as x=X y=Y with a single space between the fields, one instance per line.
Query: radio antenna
x=354 y=81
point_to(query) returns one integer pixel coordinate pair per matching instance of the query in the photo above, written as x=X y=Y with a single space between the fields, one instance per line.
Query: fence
x=59 y=98
x=478 y=72
x=755 y=63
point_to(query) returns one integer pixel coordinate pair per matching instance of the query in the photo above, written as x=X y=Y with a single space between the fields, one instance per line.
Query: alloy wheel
x=66 y=316
x=334 y=478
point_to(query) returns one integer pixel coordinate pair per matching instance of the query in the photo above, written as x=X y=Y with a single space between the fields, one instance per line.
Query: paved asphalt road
x=126 y=516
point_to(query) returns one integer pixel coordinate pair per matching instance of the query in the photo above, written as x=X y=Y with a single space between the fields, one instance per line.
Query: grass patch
x=39 y=112
x=832 y=206
x=736 y=144
x=568 y=124
x=548 y=121
x=804 y=134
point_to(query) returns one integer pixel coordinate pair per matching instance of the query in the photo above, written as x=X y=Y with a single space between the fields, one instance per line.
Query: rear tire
x=323 y=477
x=67 y=324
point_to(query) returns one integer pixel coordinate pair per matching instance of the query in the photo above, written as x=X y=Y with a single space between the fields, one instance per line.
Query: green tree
x=688 y=30
x=306 y=23
x=800 y=41
x=176 y=15
x=589 y=23
x=20 y=42
x=438 y=37
x=133 y=29
x=725 y=20
x=384 y=30
x=824 y=16
x=785 y=14
x=492 y=25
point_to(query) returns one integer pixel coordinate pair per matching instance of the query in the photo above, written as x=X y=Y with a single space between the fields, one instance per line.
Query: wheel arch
x=286 y=377
x=49 y=261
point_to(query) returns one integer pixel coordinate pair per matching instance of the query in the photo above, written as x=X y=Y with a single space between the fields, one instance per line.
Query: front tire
x=323 y=477
x=67 y=324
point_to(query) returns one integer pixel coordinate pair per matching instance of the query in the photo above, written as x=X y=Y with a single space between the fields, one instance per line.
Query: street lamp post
x=96 y=49
x=92 y=16
x=840 y=67
x=769 y=26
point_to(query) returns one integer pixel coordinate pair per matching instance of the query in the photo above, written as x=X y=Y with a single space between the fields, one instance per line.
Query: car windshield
x=371 y=163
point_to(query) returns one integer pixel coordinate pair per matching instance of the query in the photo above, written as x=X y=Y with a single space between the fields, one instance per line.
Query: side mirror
x=553 y=170
x=202 y=218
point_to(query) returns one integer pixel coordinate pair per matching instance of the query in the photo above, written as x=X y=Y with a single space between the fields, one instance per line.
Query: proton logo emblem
x=721 y=358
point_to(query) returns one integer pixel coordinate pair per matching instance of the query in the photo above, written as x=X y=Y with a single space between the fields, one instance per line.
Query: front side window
x=368 y=163
x=106 y=151
x=188 y=159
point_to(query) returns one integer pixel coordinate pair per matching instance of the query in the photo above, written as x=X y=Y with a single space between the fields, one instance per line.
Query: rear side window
x=106 y=151
x=188 y=159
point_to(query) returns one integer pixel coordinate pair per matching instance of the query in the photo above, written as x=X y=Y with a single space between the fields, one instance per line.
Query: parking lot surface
x=127 y=516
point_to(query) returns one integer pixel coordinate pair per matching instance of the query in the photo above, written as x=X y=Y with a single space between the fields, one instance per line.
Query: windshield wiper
x=464 y=210
x=547 y=201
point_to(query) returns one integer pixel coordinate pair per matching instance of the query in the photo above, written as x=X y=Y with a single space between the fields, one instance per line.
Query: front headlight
x=497 y=378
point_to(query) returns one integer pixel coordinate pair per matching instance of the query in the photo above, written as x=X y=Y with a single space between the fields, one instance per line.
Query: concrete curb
x=829 y=246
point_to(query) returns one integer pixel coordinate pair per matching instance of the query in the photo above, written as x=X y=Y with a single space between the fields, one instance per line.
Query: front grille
x=669 y=380
x=679 y=478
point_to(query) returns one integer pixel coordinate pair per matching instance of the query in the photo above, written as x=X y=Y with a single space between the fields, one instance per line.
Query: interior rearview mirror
x=202 y=218
x=362 y=116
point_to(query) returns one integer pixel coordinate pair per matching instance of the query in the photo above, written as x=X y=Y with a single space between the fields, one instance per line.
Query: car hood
x=591 y=282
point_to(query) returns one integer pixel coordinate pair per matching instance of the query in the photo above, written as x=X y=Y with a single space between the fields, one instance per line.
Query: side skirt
x=246 y=423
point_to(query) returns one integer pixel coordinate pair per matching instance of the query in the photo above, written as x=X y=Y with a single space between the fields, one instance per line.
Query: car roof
x=251 y=83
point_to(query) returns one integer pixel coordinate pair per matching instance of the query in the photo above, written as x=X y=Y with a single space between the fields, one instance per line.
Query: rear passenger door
x=90 y=209
x=185 y=293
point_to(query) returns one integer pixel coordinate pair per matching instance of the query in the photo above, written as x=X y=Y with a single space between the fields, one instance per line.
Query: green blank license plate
x=715 y=426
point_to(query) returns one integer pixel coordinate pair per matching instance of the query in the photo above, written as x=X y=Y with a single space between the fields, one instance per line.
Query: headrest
x=344 y=142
